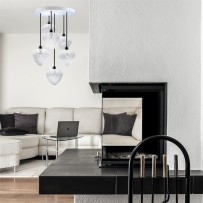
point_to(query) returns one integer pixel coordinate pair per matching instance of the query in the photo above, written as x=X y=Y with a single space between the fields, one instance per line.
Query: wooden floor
x=25 y=190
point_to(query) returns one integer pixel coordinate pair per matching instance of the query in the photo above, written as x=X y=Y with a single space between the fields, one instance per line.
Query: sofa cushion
x=89 y=120
x=9 y=146
x=125 y=124
x=137 y=128
x=27 y=122
x=28 y=153
x=7 y=120
x=13 y=131
x=90 y=140
x=118 y=110
x=28 y=141
x=32 y=110
x=119 y=140
x=111 y=122
x=54 y=115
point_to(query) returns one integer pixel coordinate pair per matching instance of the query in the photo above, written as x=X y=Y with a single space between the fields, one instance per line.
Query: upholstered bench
x=10 y=150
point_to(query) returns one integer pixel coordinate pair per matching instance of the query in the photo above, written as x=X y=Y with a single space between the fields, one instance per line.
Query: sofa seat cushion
x=28 y=141
x=119 y=140
x=89 y=140
x=10 y=146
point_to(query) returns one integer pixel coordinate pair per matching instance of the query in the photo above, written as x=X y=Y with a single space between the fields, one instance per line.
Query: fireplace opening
x=151 y=99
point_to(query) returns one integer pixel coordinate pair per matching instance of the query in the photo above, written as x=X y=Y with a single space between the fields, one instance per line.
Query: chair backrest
x=159 y=138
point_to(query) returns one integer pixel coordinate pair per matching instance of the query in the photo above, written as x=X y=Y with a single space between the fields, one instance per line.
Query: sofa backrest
x=53 y=115
x=90 y=120
x=32 y=110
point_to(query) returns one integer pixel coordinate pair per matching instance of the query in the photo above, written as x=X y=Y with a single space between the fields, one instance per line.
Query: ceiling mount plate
x=58 y=11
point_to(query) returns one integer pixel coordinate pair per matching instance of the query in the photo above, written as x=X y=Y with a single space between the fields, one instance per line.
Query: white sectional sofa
x=34 y=145
x=90 y=126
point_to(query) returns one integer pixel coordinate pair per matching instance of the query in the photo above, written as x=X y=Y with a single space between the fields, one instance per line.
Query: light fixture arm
x=66 y=48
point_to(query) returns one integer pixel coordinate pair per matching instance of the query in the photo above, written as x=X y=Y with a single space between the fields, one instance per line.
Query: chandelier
x=50 y=40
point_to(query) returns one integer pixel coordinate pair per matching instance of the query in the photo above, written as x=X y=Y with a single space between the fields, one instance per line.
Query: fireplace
x=154 y=118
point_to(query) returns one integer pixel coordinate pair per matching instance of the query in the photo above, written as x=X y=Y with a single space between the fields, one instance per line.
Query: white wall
x=153 y=41
x=23 y=82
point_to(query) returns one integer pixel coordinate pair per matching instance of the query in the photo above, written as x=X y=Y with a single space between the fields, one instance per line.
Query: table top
x=76 y=171
x=54 y=138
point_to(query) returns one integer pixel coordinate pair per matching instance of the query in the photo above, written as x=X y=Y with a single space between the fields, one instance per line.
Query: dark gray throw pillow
x=7 y=120
x=110 y=122
x=125 y=124
x=12 y=131
x=27 y=122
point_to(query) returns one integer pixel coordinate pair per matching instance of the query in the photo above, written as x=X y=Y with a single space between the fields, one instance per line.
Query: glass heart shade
x=46 y=28
x=67 y=57
x=62 y=42
x=40 y=56
x=54 y=76
x=50 y=40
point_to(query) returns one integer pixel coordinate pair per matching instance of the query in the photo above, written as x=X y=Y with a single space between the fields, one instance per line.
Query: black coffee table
x=76 y=171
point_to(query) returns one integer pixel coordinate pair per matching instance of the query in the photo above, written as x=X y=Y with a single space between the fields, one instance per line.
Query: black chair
x=159 y=138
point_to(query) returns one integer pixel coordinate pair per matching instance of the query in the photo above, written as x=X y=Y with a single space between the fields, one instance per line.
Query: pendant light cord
x=54 y=23
x=66 y=48
x=54 y=60
x=63 y=26
x=51 y=23
x=54 y=32
x=40 y=24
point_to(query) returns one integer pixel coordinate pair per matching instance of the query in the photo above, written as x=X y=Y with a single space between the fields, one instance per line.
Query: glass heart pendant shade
x=40 y=56
x=50 y=40
x=54 y=76
x=47 y=27
x=67 y=57
x=62 y=42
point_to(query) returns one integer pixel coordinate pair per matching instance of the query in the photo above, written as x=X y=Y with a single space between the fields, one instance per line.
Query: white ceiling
x=16 y=16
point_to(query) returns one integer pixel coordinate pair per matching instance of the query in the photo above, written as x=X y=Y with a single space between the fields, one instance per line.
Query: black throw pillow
x=110 y=122
x=27 y=122
x=13 y=131
x=7 y=120
x=125 y=124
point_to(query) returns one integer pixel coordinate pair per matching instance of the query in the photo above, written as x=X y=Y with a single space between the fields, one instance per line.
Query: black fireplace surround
x=154 y=115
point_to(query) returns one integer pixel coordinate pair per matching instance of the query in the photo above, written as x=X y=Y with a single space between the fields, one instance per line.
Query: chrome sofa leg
x=14 y=169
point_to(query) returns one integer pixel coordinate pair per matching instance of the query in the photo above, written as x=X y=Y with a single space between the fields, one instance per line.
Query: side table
x=57 y=140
